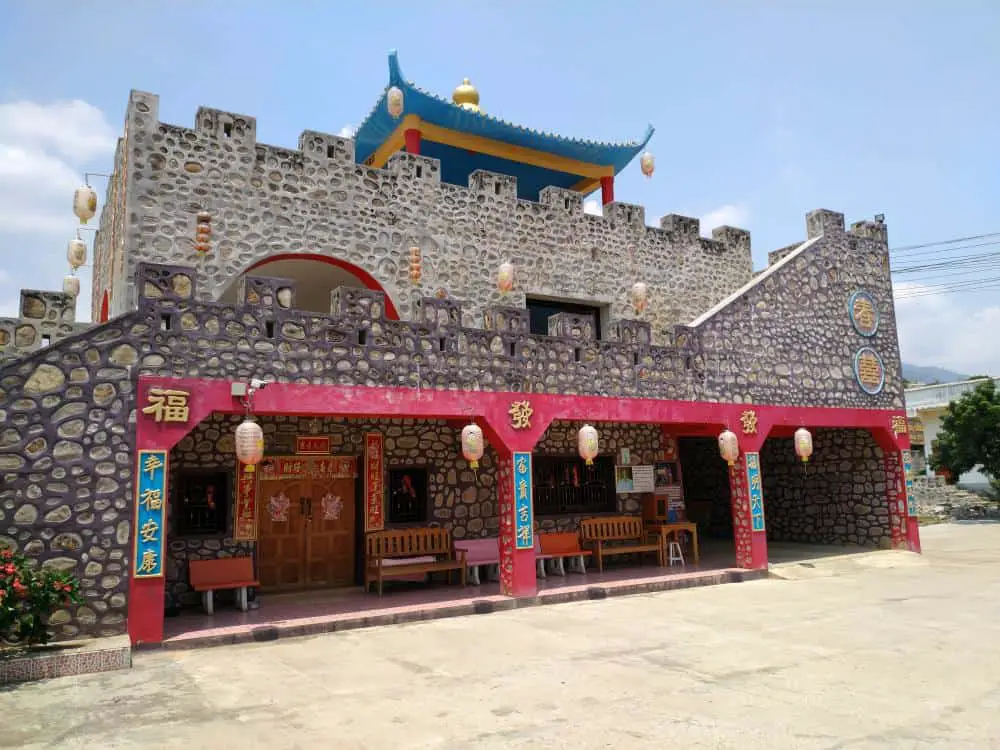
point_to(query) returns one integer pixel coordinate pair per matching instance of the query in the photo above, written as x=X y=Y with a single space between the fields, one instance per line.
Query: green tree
x=970 y=434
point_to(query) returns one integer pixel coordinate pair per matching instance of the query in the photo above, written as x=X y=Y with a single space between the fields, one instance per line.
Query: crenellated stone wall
x=44 y=318
x=316 y=199
x=838 y=498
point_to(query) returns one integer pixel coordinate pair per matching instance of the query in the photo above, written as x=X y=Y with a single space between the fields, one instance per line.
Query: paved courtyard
x=877 y=650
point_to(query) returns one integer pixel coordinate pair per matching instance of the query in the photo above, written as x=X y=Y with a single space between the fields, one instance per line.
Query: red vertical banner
x=505 y=514
x=245 y=504
x=374 y=482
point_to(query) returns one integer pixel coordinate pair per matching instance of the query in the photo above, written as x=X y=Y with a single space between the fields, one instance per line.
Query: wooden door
x=281 y=545
x=329 y=526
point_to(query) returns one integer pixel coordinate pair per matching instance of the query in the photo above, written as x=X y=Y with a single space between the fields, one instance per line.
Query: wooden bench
x=619 y=535
x=404 y=552
x=558 y=546
x=481 y=552
x=222 y=574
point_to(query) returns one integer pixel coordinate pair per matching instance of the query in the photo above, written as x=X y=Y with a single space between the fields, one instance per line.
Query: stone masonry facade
x=67 y=392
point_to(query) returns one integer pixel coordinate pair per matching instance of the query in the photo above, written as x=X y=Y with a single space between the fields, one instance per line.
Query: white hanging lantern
x=394 y=102
x=249 y=442
x=640 y=296
x=803 y=444
x=729 y=446
x=647 y=164
x=85 y=203
x=505 y=277
x=587 y=444
x=71 y=285
x=472 y=444
x=76 y=252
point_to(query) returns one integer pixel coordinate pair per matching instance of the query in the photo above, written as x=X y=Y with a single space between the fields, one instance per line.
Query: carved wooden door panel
x=330 y=534
x=281 y=545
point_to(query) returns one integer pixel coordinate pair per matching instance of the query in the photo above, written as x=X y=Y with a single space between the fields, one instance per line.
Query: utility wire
x=908 y=248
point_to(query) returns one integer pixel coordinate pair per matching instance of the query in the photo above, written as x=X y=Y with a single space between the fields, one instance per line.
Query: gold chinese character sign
x=520 y=415
x=168 y=405
x=150 y=513
x=864 y=313
x=899 y=426
x=749 y=421
x=869 y=370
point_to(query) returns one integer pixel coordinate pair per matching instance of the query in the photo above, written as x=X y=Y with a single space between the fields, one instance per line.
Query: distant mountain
x=928 y=375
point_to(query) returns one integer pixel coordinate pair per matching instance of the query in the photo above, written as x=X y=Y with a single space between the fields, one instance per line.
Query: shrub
x=28 y=597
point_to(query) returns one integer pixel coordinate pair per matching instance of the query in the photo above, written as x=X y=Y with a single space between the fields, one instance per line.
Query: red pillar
x=411 y=138
x=746 y=489
x=903 y=522
x=517 y=564
x=607 y=190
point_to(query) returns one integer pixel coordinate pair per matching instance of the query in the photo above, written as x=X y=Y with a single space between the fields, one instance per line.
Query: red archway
x=369 y=281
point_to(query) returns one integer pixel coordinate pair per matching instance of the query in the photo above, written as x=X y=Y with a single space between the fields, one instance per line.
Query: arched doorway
x=315 y=277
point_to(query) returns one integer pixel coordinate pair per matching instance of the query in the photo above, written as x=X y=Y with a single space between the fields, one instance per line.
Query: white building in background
x=926 y=406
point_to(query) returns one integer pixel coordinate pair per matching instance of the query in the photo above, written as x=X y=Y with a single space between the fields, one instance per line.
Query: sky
x=764 y=110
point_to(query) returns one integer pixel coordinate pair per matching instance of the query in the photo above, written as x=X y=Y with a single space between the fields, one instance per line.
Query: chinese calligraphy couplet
x=911 y=503
x=245 y=516
x=150 y=513
x=755 y=491
x=374 y=478
x=524 y=527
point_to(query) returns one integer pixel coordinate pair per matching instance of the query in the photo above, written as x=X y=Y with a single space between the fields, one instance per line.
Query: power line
x=960 y=260
x=907 y=248
x=970 y=286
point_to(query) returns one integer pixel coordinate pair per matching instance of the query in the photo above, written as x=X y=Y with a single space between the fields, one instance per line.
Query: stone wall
x=316 y=199
x=839 y=498
x=44 y=318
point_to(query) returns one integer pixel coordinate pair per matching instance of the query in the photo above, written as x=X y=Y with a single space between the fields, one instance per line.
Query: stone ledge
x=66 y=659
x=481 y=605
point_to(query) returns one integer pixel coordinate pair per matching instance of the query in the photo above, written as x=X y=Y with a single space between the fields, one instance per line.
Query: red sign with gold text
x=314 y=445
x=245 y=515
x=305 y=467
x=374 y=482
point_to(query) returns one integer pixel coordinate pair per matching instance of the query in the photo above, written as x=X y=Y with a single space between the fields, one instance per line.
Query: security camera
x=258 y=384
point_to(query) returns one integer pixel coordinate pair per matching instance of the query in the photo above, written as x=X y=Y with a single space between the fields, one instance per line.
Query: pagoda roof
x=454 y=132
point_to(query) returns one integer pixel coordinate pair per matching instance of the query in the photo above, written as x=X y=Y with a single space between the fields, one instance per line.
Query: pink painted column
x=897 y=462
x=411 y=139
x=607 y=190
x=746 y=488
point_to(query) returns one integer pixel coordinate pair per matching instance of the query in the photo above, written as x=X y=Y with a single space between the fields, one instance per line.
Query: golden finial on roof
x=466 y=95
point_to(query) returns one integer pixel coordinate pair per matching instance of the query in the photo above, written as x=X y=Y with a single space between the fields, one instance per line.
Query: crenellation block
x=572 y=326
x=414 y=167
x=681 y=226
x=357 y=303
x=273 y=158
x=775 y=255
x=226 y=126
x=143 y=107
x=442 y=313
x=626 y=214
x=637 y=333
x=561 y=200
x=507 y=319
x=823 y=221
x=502 y=187
x=732 y=238
x=267 y=293
x=871 y=230
x=324 y=147
x=165 y=285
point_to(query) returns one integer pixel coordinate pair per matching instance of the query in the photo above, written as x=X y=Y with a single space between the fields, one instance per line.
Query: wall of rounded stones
x=267 y=199
x=839 y=498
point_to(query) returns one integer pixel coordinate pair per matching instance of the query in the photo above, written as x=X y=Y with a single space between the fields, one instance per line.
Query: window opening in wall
x=576 y=354
x=227 y=130
x=407 y=495
x=540 y=310
x=635 y=358
x=165 y=322
x=513 y=349
x=46 y=340
x=496 y=188
x=331 y=151
x=363 y=337
x=420 y=171
x=442 y=344
x=564 y=485
x=269 y=329
x=200 y=503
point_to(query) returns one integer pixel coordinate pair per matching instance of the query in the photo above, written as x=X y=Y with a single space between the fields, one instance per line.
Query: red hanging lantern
x=416 y=266
x=588 y=444
x=647 y=164
x=505 y=278
x=394 y=102
x=729 y=446
x=803 y=444
x=640 y=297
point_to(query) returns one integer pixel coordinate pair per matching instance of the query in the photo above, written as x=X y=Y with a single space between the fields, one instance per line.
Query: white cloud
x=947 y=330
x=44 y=151
x=347 y=131
x=733 y=215
x=593 y=207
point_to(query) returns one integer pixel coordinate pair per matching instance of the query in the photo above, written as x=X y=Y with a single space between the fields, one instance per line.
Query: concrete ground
x=876 y=650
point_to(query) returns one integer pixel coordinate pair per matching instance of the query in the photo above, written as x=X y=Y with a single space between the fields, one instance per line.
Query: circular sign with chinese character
x=869 y=370
x=864 y=313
